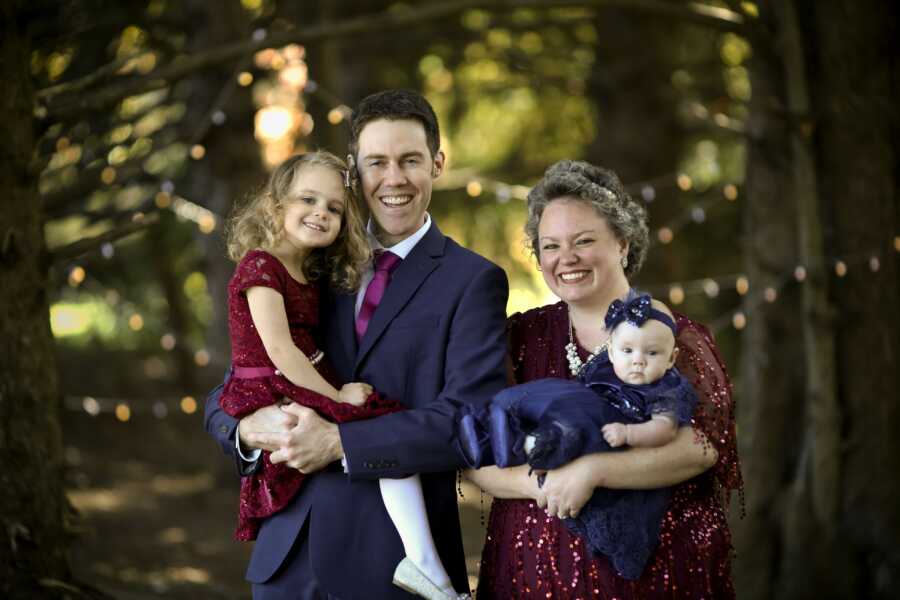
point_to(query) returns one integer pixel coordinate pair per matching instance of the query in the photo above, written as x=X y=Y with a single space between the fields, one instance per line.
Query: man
x=435 y=340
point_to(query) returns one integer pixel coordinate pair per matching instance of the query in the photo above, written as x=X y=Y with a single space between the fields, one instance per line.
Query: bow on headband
x=636 y=312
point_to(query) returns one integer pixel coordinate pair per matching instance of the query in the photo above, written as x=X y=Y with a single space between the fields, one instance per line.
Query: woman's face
x=579 y=254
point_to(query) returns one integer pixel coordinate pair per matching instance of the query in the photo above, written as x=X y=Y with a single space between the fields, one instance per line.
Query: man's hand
x=257 y=428
x=567 y=489
x=312 y=444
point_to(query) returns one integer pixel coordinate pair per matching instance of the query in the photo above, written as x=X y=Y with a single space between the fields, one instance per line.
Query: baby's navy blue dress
x=566 y=418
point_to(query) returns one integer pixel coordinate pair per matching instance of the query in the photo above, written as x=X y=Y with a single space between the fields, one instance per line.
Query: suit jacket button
x=223 y=428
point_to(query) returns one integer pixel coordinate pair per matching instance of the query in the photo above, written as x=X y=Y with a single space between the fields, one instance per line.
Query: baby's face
x=642 y=354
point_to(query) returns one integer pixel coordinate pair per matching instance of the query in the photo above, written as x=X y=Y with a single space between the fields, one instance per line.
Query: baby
x=631 y=394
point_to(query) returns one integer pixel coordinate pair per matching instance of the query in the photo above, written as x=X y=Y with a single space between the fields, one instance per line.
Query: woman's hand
x=567 y=489
x=354 y=393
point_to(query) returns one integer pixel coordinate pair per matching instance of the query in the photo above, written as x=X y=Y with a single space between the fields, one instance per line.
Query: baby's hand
x=615 y=434
x=354 y=393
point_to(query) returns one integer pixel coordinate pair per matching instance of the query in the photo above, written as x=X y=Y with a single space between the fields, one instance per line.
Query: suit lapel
x=406 y=279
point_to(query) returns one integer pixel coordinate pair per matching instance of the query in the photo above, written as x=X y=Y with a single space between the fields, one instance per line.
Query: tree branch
x=701 y=14
x=82 y=83
x=56 y=202
x=76 y=249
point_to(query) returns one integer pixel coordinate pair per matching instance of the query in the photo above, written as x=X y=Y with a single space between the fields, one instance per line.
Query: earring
x=434 y=171
x=624 y=262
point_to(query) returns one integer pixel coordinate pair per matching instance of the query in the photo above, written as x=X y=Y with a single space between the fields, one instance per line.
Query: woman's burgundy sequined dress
x=529 y=554
x=273 y=485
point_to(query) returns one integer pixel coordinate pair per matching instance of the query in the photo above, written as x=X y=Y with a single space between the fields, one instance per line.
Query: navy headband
x=636 y=312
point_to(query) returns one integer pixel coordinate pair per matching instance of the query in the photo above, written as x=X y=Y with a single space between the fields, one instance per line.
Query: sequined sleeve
x=259 y=269
x=699 y=361
x=514 y=350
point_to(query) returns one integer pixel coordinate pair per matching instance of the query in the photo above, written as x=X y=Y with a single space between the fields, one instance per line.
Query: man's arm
x=269 y=420
x=423 y=440
x=417 y=440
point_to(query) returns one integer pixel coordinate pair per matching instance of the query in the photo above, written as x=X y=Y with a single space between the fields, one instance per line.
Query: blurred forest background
x=763 y=137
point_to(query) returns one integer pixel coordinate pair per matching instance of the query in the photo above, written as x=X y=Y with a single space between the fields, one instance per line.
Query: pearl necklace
x=575 y=362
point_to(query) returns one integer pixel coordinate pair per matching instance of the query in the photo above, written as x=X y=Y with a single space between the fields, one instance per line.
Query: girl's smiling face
x=313 y=209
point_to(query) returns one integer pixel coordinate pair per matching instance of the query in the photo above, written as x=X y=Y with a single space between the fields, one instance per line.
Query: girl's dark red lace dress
x=528 y=554
x=272 y=486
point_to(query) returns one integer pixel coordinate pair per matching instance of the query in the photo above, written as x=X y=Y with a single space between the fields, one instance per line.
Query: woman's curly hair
x=602 y=190
x=259 y=223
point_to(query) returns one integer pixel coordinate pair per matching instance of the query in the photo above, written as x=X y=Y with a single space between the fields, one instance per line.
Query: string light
x=474 y=188
x=711 y=288
x=874 y=264
x=76 y=276
x=167 y=341
x=665 y=235
x=840 y=268
x=742 y=285
x=123 y=412
x=201 y=357
x=136 y=322
x=730 y=192
x=91 y=406
x=770 y=294
x=188 y=405
x=739 y=320
x=800 y=273
x=676 y=294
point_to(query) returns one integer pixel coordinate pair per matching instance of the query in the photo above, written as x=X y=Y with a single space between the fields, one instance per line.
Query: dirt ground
x=156 y=507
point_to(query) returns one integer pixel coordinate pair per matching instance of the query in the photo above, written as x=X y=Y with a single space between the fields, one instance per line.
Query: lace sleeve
x=259 y=269
x=699 y=361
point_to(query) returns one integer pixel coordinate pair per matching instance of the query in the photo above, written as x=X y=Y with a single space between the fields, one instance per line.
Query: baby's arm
x=270 y=319
x=658 y=431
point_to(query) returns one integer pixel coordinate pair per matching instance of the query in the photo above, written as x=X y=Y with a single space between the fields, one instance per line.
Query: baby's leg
x=406 y=506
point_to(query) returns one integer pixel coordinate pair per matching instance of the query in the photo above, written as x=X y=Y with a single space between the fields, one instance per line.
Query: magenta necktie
x=385 y=263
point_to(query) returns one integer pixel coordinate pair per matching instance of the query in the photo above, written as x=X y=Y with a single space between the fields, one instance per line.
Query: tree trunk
x=820 y=449
x=770 y=406
x=856 y=83
x=32 y=541
x=230 y=169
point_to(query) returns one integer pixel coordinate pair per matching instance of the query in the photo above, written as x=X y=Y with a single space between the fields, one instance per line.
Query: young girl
x=303 y=228
x=629 y=395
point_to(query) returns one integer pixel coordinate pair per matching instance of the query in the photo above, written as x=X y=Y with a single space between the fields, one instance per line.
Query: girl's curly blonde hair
x=259 y=223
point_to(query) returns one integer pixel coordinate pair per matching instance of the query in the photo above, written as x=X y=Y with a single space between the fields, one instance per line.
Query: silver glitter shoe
x=409 y=577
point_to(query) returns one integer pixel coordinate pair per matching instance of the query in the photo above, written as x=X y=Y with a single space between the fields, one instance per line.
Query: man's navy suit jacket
x=436 y=340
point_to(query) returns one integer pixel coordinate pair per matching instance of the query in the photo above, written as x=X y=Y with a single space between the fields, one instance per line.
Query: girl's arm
x=270 y=319
x=658 y=431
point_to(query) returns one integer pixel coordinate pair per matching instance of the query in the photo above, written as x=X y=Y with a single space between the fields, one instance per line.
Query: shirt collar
x=403 y=247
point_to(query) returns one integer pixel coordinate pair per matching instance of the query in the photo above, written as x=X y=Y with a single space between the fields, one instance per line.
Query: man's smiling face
x=397 y=171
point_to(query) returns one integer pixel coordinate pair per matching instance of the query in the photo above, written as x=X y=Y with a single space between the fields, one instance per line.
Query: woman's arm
x=568 y=488
x=270 y=319
x=510 y=483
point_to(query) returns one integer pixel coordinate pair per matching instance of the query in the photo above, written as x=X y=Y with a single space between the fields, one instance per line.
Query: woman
x=589 y=236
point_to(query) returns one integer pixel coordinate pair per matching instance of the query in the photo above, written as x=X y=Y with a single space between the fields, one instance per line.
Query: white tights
x=406 y=506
